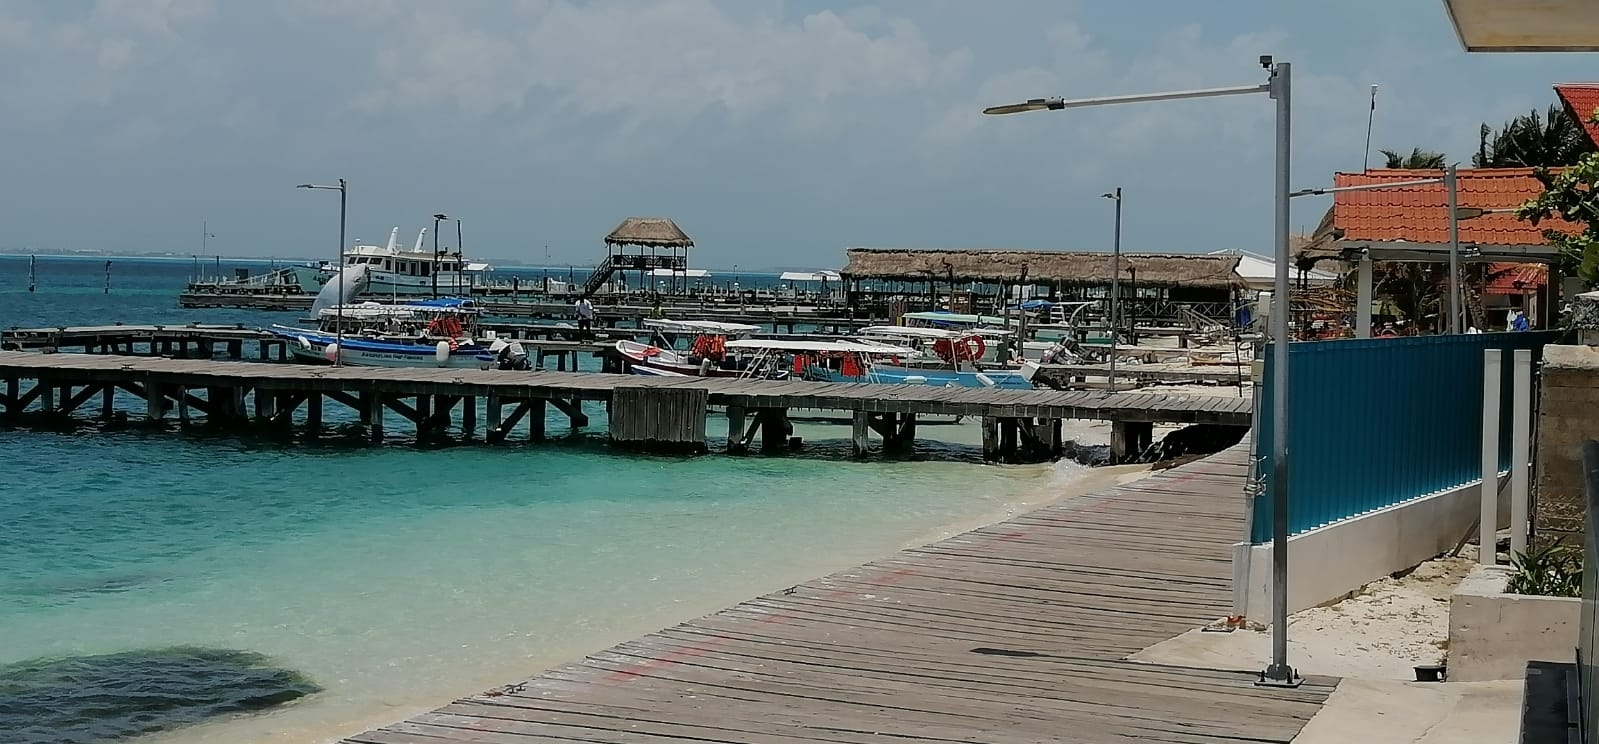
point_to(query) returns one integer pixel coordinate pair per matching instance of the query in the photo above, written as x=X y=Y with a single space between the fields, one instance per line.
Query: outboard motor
x=510 y=355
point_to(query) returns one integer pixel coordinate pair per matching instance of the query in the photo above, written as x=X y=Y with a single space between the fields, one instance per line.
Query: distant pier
x=654 y=414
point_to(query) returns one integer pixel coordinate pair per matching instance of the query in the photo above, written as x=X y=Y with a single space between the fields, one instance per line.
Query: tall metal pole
x=1279 y=672
x=1115 y=284
x=339 y=333
x=1454 y=251
x=435 y=270
x=460 y=260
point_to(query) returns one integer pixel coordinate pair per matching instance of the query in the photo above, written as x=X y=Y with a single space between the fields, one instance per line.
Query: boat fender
x=915 y=380
x=305 y=343
x=986 y=380
x=331 y=352
x=441 y=353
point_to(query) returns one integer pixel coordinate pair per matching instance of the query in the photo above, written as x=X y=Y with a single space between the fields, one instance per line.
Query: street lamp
x=437 y=218
x=339 y=310
x=1115 y=281
x=1279 y=87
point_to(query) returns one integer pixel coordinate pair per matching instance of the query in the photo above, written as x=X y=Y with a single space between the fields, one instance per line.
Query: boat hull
x=311 y=347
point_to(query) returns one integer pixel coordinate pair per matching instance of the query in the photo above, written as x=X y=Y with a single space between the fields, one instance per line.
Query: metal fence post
x=1488 y=525
x=1520 y=448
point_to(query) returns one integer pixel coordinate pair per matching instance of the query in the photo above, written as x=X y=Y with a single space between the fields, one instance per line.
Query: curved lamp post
x=1278 y=86
x=339 y=331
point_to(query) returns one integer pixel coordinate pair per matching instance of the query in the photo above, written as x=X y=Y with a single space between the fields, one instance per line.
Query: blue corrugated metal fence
x=1373 y=422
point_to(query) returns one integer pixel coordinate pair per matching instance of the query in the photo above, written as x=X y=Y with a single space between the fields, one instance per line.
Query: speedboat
x=706 y=355
x=424 y=333
x=867 y=361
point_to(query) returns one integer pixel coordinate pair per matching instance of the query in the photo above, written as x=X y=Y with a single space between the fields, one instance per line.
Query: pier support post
x=861 y=434
x=236 y=349
x=537 y=413
x=13 y=395
x=991 y=450
x=183 y=406
x=374 y=414
x=313 y=414
x=735 y=429
x=468 y=416
x=261 y=349
x=107 y=399
x=1129 y=439
x=47 y=397
x=155 y=404
x=775 y=429
x=491 y=406
x=1007 y=439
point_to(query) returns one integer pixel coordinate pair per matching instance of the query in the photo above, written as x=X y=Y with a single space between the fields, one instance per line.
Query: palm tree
x=1418 y=159
x=1531 y=141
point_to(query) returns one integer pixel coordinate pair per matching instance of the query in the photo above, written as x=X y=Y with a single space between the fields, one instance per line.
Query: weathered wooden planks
x=1011 y=633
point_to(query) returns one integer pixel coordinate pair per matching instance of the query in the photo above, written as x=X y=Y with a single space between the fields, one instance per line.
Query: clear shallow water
x=396 y=578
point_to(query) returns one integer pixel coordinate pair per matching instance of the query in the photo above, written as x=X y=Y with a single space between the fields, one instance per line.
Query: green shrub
x=1552 y=570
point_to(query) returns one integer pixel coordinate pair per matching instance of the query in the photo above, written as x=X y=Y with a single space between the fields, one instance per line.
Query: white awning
x=809 y=276
x=701 y=326
x=777 y=344
x=686 y=273
x=1525 y=25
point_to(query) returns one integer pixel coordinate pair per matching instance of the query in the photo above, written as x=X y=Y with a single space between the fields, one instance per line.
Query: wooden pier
x=1016 y=632
x=1075 y=376
x=197 y=341
x=1019 y=425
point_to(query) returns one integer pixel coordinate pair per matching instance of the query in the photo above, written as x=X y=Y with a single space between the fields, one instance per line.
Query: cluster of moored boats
x=936 y=348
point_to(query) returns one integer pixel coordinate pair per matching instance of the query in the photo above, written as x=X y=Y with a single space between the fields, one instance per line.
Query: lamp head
x=1032 y=104
x=441 y=217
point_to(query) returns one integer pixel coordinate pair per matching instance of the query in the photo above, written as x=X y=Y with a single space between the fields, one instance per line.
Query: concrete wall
x=1568 y=414
x=1329 y=563
x=1492 y=635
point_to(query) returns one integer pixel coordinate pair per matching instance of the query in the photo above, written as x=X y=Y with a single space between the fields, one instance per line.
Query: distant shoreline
x=497 y=263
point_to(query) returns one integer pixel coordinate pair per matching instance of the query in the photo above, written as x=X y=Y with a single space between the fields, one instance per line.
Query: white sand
x=1373 y=640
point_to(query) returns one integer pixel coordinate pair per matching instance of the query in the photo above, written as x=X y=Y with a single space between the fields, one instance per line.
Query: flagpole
x=1365 y=157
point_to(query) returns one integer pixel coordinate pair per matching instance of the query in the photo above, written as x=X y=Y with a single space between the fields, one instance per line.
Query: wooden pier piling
x=666 y=420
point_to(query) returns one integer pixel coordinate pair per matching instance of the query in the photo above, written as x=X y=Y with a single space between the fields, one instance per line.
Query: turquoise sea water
x=395 y=578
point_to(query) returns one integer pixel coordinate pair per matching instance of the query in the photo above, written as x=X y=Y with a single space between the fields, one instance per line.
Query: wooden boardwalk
x=1010 y=633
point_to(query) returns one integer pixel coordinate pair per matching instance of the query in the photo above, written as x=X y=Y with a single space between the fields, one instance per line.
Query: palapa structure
x=632 y=246
x=652 y=232
x=1042 y=268
x=1153 y=285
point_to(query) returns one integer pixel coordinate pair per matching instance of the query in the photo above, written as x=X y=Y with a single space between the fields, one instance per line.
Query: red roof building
x=1581 y=100
x=1420 y=214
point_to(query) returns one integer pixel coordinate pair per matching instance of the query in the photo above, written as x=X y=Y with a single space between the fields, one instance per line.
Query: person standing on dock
x=585 y=316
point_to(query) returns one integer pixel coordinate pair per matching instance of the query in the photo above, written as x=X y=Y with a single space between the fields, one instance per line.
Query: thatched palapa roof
x=1041 y=267
x=655 y=232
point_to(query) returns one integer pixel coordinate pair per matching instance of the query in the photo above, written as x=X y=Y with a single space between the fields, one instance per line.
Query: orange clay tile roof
x=1514 y=279
x=1420 y=214
x=1581 y=99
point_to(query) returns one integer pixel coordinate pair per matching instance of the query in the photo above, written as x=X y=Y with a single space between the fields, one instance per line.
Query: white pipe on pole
x=1520 y=449
x=1488 y=525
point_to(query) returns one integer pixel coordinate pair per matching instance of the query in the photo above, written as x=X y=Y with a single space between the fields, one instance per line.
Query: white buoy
x=441 y=353
x=331 y=352
x=305 y=343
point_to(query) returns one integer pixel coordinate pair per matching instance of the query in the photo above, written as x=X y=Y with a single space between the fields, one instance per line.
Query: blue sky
x=775 y=133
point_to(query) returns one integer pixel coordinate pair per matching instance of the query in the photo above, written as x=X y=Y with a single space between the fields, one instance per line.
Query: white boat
x=425 y=333
x=705 y=356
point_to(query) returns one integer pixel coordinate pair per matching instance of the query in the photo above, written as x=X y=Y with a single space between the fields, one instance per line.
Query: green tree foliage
x=1571 y=194
x=1531 y=141
x=1418 y=159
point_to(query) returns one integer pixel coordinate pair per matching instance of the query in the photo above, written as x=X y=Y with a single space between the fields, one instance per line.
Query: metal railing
x=1381 y=421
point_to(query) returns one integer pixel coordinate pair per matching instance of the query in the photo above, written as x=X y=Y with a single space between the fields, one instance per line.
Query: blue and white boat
x=868 y=361
x=425 y=333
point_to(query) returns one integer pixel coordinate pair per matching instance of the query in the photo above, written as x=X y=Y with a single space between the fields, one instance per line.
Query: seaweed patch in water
x=113 y=696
